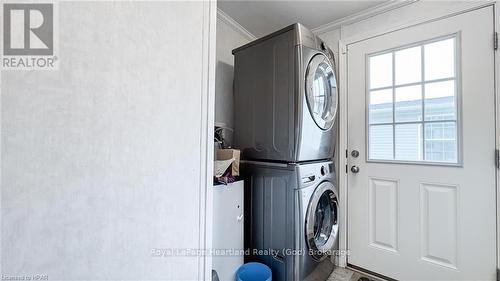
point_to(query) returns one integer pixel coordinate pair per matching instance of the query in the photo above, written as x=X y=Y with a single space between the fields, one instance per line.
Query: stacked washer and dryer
x=285 y=98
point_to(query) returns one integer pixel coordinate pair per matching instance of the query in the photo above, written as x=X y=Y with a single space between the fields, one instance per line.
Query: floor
x=344 y=274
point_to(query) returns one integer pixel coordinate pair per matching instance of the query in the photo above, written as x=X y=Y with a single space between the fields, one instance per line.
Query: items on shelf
x=226 y=166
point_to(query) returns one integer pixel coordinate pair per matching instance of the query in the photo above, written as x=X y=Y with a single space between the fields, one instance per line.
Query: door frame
x=343 y=45
x=205 y=224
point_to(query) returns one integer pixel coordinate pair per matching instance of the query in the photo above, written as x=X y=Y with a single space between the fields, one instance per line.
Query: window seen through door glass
x=412 y=103
x=381 y=106
x=440 y=101
x=381 y=142
x=408 y=103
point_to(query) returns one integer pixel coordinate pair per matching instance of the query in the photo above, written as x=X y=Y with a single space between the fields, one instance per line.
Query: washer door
x=322 y=221
x=321 y=91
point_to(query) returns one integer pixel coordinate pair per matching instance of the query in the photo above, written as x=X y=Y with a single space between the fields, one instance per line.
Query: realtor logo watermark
x=29 y=36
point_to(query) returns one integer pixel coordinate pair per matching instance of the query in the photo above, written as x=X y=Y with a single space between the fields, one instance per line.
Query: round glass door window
x=321 y=91
x=322 y=221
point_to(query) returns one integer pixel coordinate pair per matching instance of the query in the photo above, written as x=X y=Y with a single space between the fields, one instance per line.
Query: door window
x=412 y=100
x=321 y=91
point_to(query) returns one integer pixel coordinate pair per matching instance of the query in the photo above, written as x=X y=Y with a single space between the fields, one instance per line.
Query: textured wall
x=100 y=160
x=227 y=40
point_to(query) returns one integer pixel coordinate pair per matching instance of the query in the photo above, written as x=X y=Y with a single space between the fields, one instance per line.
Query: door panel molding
x=438 y=215
x=384 y=215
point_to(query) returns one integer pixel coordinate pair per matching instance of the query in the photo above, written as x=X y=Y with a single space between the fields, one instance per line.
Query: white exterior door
x=421 y=192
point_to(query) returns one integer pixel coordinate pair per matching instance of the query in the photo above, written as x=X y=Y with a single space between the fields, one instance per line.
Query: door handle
x=355 y=169
x=308 y=179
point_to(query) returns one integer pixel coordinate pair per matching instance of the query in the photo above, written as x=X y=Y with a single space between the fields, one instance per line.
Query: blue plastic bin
x=254 y=271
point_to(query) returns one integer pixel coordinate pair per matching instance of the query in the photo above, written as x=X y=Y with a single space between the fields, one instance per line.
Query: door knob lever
x=355 y=169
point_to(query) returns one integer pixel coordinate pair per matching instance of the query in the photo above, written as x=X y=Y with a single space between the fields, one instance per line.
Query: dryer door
x=321 y=91
x=322 y=221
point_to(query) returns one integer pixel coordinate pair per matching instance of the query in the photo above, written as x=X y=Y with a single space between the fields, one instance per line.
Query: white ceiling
x=264 y=17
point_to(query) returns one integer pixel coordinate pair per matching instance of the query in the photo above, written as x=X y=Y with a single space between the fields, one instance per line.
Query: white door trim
x=206 y=139
x=342 y=155
x=343 y=92
x=496 y=10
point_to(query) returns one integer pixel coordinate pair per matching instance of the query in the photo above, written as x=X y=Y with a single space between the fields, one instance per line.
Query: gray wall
x=101 y=159
x=228 y=38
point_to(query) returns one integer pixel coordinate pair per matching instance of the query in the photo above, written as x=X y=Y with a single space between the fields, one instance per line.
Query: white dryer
x=285 y=97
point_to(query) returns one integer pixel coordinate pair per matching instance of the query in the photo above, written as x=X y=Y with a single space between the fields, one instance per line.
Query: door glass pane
x=381 y=145
x=439 y=59
x=408 y=67
x=441 y=142
x=409 y=142
x=408 y=103
x=381 y=71
x=414 y=117
x=381 y=106
x=325 y=218
x=440 y=101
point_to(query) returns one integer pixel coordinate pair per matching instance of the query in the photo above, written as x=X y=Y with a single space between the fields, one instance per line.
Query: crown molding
x=365 y=14
x=234 y=24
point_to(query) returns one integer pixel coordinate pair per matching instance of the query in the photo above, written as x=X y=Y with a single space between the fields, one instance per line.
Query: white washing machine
x=291 y=218
x=285 y=97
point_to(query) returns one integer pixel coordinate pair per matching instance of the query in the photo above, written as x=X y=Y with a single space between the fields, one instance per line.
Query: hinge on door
x=497 y=161
x=498 y=274
x=346 y=153
x=495 y=41
x=346 y=173
x=344 y=50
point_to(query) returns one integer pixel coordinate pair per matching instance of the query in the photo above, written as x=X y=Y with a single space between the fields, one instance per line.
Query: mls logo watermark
x=29 y=36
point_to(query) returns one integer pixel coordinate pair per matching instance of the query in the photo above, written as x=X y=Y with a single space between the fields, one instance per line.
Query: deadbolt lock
x=355 y=153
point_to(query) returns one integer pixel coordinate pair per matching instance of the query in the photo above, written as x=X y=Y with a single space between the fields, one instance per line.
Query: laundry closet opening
x=355 y=136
